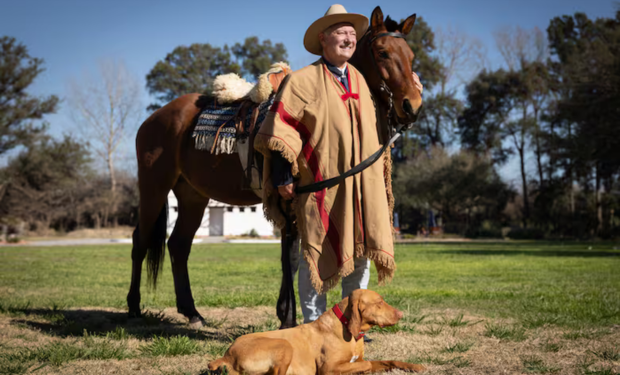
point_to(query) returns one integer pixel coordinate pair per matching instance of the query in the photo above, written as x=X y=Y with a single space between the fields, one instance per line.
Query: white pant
x=314 y=304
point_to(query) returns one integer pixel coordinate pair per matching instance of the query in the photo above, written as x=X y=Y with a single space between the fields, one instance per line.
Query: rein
x=331 y=182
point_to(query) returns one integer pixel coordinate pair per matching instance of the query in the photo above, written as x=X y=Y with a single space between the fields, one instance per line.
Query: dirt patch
x=117 y=232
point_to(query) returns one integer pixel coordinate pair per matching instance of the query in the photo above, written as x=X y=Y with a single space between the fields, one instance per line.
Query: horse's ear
x=376 y=20
x=355 y=322
x=407 y=24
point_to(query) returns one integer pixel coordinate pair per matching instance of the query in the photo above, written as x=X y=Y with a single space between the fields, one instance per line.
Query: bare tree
x=460 y=56
x=106 y=107
x=520 y=46
x=524 y=52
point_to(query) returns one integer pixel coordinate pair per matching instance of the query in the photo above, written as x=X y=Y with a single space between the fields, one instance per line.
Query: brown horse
x=168 y=160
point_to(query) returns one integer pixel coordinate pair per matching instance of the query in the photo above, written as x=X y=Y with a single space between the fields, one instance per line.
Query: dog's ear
x=355 y=323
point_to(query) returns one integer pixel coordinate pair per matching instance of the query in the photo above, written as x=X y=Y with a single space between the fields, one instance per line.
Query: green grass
x=505 y=332
x=534 y=283
x=171 y=346
x=607 y=353
x=459 y=347
x=535 y=365
x=551 y=347
x=57 y=353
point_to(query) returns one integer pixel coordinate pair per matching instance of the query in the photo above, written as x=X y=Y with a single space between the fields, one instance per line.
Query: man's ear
x=355 y=323
x=376 y=19
x=407 y=25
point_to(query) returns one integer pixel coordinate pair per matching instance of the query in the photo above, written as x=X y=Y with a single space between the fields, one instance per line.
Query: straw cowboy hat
x=335 y=14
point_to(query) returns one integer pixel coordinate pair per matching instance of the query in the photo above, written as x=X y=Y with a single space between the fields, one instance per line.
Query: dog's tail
x=218 y=364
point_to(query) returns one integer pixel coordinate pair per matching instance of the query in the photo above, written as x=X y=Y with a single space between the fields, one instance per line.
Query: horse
x=168 y=161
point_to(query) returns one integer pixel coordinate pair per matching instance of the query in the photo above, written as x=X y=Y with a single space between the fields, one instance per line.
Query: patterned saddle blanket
x=220 y=126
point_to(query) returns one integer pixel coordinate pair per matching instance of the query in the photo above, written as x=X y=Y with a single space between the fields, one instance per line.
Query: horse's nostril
x=407 y=107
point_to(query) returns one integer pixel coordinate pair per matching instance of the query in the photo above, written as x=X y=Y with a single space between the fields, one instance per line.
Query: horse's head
x=386 y=60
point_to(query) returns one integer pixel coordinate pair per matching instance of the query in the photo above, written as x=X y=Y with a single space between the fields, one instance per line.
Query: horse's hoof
x=286 y=325
x=196 y=322
x=134 y=314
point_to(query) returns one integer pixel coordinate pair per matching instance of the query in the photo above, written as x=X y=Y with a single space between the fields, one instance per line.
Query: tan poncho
x=324 y=131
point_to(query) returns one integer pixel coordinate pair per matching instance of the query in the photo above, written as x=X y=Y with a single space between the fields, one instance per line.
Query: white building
x=222 y=219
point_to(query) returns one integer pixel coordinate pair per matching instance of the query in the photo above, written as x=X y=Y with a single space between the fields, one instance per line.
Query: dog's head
x=368 y=309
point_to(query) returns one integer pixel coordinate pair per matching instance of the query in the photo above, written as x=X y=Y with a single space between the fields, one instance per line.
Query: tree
x=458 y=55
x=256 y=58
x=18 y=109
x=43 y=178
x=193 y=69
x=488 y=105
x=462 y=187
x=506 y=105
x=106 y=109
x=585 y=68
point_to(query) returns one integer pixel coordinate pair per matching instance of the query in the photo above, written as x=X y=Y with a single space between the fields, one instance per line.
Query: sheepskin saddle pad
x=238 y=109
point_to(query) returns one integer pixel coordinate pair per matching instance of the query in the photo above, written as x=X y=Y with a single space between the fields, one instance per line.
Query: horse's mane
x=390 y=24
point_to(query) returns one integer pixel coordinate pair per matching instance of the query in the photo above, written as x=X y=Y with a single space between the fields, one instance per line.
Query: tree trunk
x=538 y=149
x=111 y=171
x=597 y=200
x=526 y=203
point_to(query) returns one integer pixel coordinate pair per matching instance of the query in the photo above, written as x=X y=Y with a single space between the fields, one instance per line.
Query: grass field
x=470 y=308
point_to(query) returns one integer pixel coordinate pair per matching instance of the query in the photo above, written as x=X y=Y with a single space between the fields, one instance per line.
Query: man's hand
x=417 y=82
x=287 y=191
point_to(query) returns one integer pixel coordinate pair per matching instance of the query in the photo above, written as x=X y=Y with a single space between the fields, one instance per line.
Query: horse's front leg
x=286 y=308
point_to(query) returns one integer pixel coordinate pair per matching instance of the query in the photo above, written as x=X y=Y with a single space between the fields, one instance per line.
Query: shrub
x=484 y=233
x=253 y=233
x=526 y=234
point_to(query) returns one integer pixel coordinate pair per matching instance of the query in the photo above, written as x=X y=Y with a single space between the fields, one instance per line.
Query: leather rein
x=383 y=87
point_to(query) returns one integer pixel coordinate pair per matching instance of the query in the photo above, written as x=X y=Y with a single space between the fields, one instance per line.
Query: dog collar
x=344 y=320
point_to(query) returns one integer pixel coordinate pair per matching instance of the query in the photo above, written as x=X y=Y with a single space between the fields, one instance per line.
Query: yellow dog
x=332 y=344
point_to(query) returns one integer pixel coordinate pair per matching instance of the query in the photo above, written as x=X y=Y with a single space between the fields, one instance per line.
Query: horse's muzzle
x=412 y=115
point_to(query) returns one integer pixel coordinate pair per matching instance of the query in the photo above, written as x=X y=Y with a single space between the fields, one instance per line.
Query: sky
x=74 y=36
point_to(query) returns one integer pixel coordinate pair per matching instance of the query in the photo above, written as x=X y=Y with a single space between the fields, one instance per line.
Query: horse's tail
x=157 y=246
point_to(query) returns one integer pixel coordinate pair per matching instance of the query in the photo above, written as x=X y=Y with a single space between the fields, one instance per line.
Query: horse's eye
x=383 y=55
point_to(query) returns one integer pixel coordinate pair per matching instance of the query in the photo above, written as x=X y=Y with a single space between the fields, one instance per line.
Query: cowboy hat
x=335 y=14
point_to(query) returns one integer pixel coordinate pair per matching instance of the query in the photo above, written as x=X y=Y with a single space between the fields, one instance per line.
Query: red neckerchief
x=344 y=320
x=349 y=95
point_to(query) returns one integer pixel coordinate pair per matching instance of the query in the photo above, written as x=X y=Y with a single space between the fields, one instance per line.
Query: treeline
x=556 y=102
x=552 y=109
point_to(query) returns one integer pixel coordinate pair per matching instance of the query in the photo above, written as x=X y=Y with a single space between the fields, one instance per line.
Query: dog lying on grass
x=333 y=344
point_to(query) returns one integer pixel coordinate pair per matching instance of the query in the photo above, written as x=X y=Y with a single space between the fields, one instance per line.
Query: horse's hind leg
x=191 y=209
x=150 y=232
x=150 y=235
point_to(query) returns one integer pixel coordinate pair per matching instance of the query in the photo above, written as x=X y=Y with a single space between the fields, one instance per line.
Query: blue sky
x=73 y=36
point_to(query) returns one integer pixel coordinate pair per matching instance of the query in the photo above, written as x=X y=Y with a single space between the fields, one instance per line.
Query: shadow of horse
x=76 y=323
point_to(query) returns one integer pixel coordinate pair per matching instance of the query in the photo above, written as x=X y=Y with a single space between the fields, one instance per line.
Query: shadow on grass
x=74 y=323
x=536 y=253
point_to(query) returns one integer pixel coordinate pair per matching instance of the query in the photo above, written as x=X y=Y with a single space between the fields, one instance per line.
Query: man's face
x=338 y=43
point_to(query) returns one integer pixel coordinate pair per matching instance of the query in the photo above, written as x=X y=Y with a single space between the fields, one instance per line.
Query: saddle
x=253 y=162
x=230 y=124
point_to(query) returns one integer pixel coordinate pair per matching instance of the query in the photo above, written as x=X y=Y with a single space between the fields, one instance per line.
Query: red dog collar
x=344 y=320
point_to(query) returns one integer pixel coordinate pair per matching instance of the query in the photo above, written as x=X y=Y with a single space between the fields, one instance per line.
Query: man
x=322 y=124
